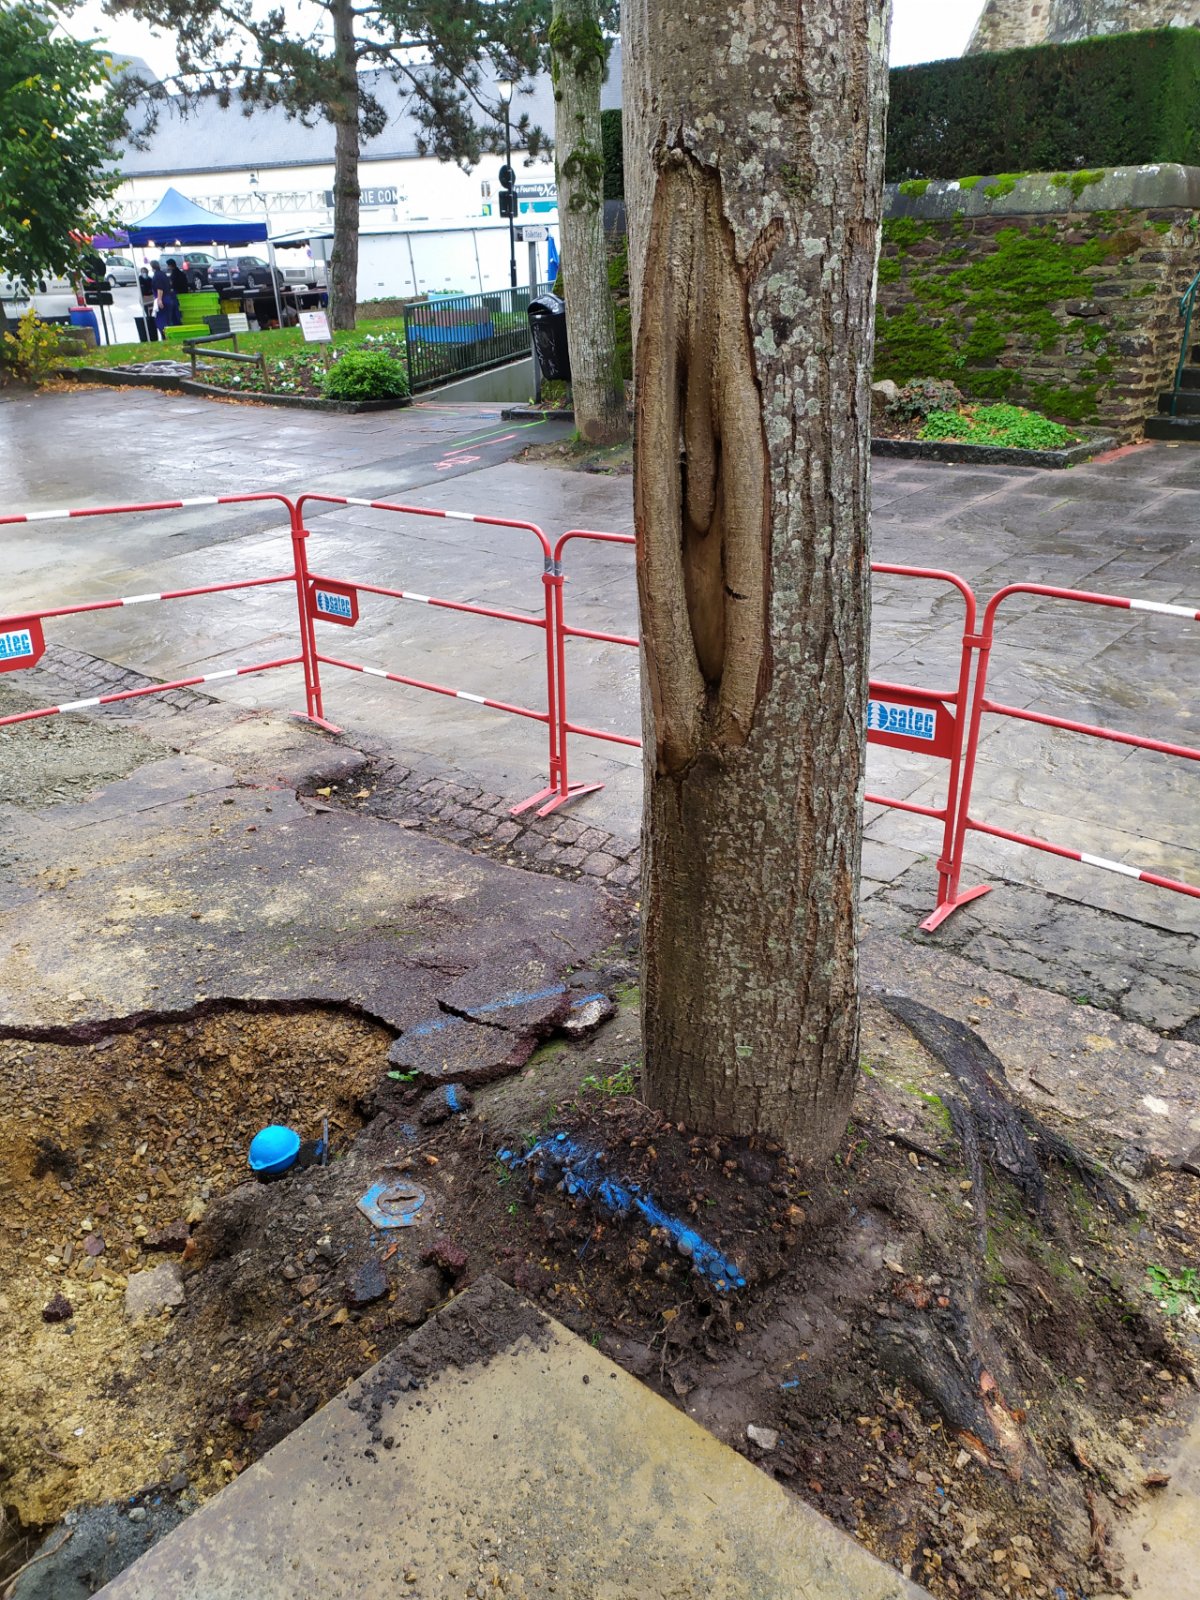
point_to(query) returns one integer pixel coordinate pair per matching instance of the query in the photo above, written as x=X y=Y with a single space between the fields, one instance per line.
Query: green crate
x=186 y=330
x=196 y=307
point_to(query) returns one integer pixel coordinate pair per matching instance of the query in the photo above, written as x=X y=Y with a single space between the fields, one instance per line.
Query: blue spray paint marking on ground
x=452 y=1097
x=505 y=1003
x=581 y=1174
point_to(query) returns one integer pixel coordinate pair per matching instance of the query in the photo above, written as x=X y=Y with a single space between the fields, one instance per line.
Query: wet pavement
x=1126 y=527
x=203 y=875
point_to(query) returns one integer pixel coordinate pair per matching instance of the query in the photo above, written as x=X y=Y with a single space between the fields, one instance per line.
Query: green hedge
x=614 y=155
x=1120 y=100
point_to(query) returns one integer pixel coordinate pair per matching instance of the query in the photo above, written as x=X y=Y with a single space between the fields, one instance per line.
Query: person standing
x=146 y=290
x=166 y=302
x=177 y=276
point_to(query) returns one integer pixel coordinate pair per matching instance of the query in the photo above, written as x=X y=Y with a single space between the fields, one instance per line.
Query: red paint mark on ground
x=1121 y=451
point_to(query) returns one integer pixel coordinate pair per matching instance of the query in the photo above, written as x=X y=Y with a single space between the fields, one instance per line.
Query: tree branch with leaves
x=253 y=55
x=62 y=120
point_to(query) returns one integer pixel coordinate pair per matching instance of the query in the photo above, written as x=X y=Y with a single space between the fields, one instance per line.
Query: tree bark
x=754 y=165
x=577 y=57
x=343 y=113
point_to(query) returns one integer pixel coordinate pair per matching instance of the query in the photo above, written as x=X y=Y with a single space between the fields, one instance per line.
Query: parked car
x=197 y=268
x=244 y=272
x=121 y=271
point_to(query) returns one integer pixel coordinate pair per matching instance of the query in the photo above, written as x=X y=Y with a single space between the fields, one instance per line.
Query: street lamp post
x=270 y=248
x=505 y=87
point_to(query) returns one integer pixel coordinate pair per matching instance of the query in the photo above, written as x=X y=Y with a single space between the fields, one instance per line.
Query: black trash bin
x=548 y=330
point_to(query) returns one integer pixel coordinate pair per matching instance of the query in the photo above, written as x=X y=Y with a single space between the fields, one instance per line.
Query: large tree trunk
x=343 y=266
x=754 y=157
x=577 y=62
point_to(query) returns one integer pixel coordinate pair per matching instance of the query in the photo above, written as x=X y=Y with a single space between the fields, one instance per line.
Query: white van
x=53 y=297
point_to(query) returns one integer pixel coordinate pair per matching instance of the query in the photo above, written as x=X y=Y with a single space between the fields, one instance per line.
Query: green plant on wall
x=966 y=318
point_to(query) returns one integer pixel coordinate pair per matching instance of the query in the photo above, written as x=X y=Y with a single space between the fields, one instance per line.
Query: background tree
x=310 y=61
x=579 y=50
x=61 y=126
x=753 y=162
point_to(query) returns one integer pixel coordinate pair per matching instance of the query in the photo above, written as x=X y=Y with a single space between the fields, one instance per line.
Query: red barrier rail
x=981 y=704
x=943 y=723
x=926 y=721
x=336 y=601
x=563 y=789
x=22 y=635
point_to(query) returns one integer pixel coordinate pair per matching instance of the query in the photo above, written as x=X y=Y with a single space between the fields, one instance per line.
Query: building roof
x=212 y=138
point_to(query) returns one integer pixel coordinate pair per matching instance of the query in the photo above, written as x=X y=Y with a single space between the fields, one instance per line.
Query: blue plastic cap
x=274 y=1149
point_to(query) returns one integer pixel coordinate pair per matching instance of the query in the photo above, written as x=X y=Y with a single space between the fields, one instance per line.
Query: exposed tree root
x=1009 y=1139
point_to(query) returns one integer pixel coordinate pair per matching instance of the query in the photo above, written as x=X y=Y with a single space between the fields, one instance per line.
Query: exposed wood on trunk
x=754 y=143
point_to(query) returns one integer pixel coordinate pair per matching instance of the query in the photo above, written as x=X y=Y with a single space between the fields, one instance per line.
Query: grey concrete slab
x=190 y=881
x=497 y=1451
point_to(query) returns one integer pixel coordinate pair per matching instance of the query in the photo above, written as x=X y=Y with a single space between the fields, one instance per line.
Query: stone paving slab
x=496 y=1452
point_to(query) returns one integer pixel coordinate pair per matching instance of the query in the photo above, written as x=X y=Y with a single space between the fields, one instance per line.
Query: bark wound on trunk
x=754 y=163
x=702 y=491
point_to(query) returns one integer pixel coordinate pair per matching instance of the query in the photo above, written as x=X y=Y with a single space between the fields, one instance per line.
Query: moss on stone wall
x=1033 y=309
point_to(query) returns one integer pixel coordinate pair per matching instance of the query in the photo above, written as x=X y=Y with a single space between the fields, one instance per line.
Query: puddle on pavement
x=104 y=1143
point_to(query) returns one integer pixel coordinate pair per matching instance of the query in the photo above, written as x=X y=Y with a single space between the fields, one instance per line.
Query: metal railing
x=1187 y=305
x=450 y=337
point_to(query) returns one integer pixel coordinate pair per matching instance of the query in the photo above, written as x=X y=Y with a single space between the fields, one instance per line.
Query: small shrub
x=1011 y=426
x=365 y=375
x=31 y=354
x=917 y=398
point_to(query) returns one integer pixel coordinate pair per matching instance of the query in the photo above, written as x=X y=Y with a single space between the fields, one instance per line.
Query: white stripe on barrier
x=1164 y=610
x=459 y=516
x=139 y=599
x=214 y=677
x=45 y=516
x=409 y=595
x=461 y=694
x=79 y=705
x=1109 y=866
x=376 y=672
x=201 y=500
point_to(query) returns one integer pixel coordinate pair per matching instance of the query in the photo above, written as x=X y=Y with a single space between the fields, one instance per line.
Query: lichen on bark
x=754 y=153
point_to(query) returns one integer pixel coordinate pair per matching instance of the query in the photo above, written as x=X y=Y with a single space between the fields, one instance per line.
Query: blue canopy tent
x=177 y=220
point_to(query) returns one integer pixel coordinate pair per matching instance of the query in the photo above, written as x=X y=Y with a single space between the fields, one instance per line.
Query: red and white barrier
x=323 y=606
x=22 y=637
x=944 y=724
x=982 y=705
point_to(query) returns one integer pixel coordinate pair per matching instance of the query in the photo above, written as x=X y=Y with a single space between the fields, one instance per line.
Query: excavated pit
x=106 y=1142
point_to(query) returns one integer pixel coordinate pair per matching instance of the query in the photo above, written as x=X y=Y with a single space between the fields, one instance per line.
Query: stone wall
x=1010 y=24
x=1021 y=290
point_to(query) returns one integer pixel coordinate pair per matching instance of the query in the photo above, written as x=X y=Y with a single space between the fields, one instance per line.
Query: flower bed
x=302 y=373
x=930 y=418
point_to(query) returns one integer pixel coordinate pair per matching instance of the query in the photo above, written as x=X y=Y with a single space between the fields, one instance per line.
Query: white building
x=425 y=224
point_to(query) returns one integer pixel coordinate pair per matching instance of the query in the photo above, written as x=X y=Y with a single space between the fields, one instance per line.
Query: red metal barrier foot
x=316 y=722
x=944 y=910
x=534 y=800
x=573 y=793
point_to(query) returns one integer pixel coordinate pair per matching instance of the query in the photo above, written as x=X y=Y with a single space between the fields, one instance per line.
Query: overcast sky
x=922 y=30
